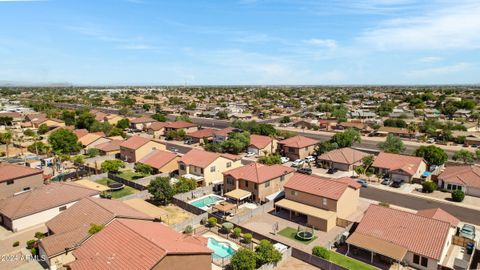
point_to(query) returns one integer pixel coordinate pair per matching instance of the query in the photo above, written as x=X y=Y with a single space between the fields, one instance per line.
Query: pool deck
x=221 y=199
x=221 y=239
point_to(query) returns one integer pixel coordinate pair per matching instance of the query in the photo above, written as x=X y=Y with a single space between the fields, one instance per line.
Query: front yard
x=119 y=193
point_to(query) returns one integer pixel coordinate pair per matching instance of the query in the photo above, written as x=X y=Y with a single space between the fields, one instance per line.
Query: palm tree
x=6 y=138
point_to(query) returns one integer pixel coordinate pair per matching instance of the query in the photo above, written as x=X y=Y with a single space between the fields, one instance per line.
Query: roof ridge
x=142 y=236
x=409 y=213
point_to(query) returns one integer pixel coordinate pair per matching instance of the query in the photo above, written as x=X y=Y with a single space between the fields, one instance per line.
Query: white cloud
x=436 y=71
x=429 y=59
x=455 y=26
x=328 y=43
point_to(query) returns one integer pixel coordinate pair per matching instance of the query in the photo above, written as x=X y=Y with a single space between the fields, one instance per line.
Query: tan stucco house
x=137 y=147
x=16 y=179
x=344 y=159
x=464 y=177
x=161 y=161
x=262 y=145
x=297 y=147
x=400 y=168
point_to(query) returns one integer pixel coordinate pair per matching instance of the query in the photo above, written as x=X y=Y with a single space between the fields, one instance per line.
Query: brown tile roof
x=14 y=115
x=158 y=158
x=343 y=155
x=43 y=198
x=113 y=145
x=71 y=226
x=395 y=130
x=202 y=159
x=134 y=142
x=202 y=133
x=319 y=186
x=298 y=142
x=389 y=161
x=12 y=171
x=260 y=141
x=156 y=126
x=258 y=173
x=80 y=132
x=439 y=214
x=142 y=120
x=468 y=175
x=100 y=116
x=134 y=244
x=89 y=138
x=422 y=235
x=224 y=132
x=180 y=124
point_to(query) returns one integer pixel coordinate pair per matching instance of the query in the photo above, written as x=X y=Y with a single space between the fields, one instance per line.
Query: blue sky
x=240 y=42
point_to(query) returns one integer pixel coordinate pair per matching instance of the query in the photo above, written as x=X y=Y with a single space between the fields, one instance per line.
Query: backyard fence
x=193 y=221
x=315 y=260
x=265 y=208
x=198 y=192
x=126 y=182
x=270 y=266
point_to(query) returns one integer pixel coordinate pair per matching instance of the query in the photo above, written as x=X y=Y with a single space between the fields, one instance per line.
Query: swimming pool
x=207 y=201
x=220 y=249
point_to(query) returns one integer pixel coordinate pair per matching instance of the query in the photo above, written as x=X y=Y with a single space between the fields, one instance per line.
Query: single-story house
x=110 y=148
x=201 y=134
x=141 y=123
x=400 y=132
x=188 y=127
x=400 y=168
x=16 y=179
x=161 y=161
x=343 y=159
x=157 y=129
x=464 y=177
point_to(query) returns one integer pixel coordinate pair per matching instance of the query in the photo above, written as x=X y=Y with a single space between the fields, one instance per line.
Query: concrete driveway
x=339 y=174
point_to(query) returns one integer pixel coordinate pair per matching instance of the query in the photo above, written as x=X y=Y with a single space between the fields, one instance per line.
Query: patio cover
x=305 y=209
x=193 y=177
x=238 y=194
x=378 y=246
x=224 y=206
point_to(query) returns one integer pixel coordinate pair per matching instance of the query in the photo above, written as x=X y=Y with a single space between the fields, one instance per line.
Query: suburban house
x=156 y=247
x=141 y=123
x=222 y=135
x=400 y=168
x=439 y=214
x=465 y=178
x=110 y=148
x=417 y=239
x=344 y=159
x=161 y=161
x=137 y=147
x=41 y=204
x=69 y=229
x=255 y=181
x=188 y=127
x=156 y=129
x=400 y=132
x=261 y=145
x=297 y=147
x=51 y=123
x=80 y=132
x=91 y=140
x=207 y=167
x=16 y=179
x=201 y=134
x=320 y=202
x=357 y=125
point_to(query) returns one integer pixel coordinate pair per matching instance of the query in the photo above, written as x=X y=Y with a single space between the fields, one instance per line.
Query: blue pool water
x=206 y=201
x=220 y=250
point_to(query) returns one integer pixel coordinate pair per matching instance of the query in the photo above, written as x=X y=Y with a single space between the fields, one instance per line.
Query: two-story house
x=137 y=147
x=15 y=179
x=297 y=147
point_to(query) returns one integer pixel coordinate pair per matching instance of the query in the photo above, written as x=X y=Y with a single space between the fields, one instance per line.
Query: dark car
x=332 y=170
x=305 y=170
x=396 y=184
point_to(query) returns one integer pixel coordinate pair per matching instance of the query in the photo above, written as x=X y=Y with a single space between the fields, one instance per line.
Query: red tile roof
x=258 y=173
x=156 y=126
x=467 y=175
x=134 y=244
x=343 y=156
x=224 y=132
x=158 y=158
x=439 y=214
x=260 y=141
x=134 y=142
x=12 y=171
x=142 y=120
x=408 y=164
x=80 y=132
x=421 y=235
x=44 y=198
x=202 y=133
x=113 y=145
x=319 y=186
x=202 y=159
x=298 y=142
x=180 y=124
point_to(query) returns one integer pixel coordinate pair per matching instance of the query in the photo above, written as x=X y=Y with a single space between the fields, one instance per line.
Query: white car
x=431 y=140
x=250 y=154
x=298 y=162
x=284 y=159
x=310 y=159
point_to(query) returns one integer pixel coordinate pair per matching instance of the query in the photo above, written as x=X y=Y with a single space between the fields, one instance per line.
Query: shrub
x=247 y=238
x=34 y=251
x=429 y=187
x=188 y=229
x=458 y=195
x=16 y=244
x=31 y=243
x=384 y=204
x=321 y=252
x=95 y=228
x=39 y=235
x=212 y=221
x=236 y=232
x=243 y=259
x=266 y=253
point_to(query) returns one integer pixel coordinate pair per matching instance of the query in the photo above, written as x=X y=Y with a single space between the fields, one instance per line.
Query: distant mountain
x=4 y=83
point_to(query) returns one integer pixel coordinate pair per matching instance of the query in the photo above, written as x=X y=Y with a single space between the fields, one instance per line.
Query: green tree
x=184 y=118
x=184 y=185
x=113 y=165
x=392 y=144
x=6 y=120
x=432 y=154
x=92 y=152
x=321 y=252
x=271 y=159
x=429 y=186
x=28 y=132
x=42 y=129
x=212 y=221
x=395 y=123
x=178 y=134
x=213 y=147
x=325 y=147
x=6 y=138
x=340 y=114
x=160 y=117
x=267 y=253
x=68 y=117
x=85 y=120
x=243 y=259
x=39 y=148
x=458 y=195
x=161 y=190
x=285 y=120
x=123 y=123
x=346 y=138
x=64 y=141
x=464 y=155
x=222 y=115
x=144 y=169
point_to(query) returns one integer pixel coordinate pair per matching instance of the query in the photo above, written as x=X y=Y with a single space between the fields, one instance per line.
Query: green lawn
x=348 y=262
x=119 y=193
x=291 y=232
x=130 y=175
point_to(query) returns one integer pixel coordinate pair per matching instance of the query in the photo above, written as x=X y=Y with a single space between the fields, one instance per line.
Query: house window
x=291 y=150
x=246 y=183
x=449 y=186
x=9 y=182
x=26 y=189
x=255 y=186
x=229 y=164
x=424 y=262
x=416 y=259
x=324 y=201
x=282 y=178
x=182 y=167
x=62 y=208
x=201 y=170
x=212 y=169
x=267 y=184
x=229 y=181
x=294 y=193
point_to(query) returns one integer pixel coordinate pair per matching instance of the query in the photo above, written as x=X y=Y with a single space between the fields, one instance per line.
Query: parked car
x=431 y=140
x=298 y=163
x=250 y=154
x=332 y=170
x=397 y=184
x=387 y=181
x=310 y=159
x=284 y=159
x=305 y=171
x=363 y=182
x=468 y=231
x=188 y=141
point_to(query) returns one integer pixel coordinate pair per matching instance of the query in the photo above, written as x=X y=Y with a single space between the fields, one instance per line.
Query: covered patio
x=238 y=195
x=196 y=178
x=225 y=208
x=320 y=219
